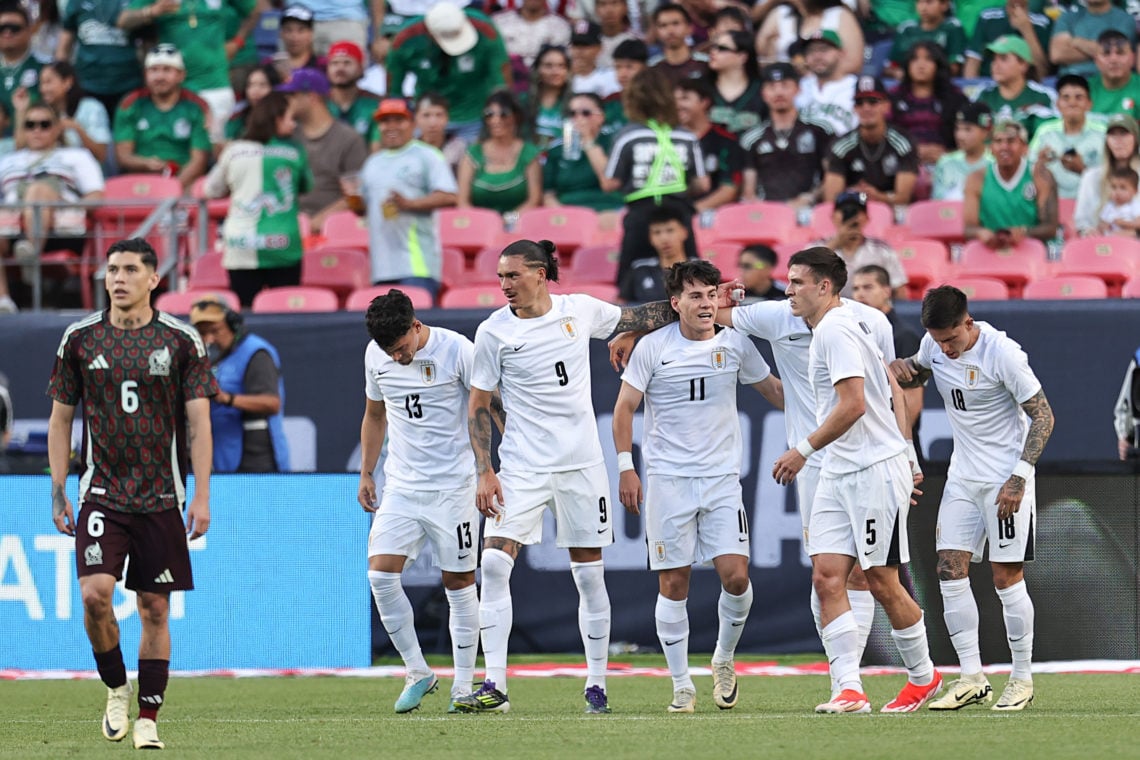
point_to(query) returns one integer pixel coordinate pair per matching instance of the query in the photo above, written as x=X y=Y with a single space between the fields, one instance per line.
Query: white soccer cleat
x=725 y=690
x=146 y=735
x=684 y=701
x=1016 y=696
x=846 y=701
x=967 y=690
x=116 y=717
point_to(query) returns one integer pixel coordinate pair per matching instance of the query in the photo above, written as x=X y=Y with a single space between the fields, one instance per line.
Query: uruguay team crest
x=569 y=329
x=159 y=362
x=719 y=358
x=972 y=375
x=427 y=372
x=659 y=550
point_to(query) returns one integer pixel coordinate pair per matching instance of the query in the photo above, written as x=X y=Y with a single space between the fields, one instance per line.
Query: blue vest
x=229 y=435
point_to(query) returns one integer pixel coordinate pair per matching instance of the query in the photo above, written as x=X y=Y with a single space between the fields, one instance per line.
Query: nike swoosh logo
x=602 y=530
x=737 y=625
x=833 y=660
x=1019 y=638
x=1002 y=546
x=594 y=638
x=486 y=627
x=663 y=362
x=519 y=348
x=871 y=551
x=795 y=337
x=673 y=643
x=385 y=372
x=935 y=361
x=460 y=646
x=742 y=540
x=465 y=556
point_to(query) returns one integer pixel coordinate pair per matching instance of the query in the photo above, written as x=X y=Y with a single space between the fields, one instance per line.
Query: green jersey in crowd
x=170 y=135
x=1005 y=205
x=1125 y=99
x=1088 y=143
x=359 y=116
x=573 y=180
x=106 y=62
x=950 y=174
x=948 y=35
x=198 y=30
x=23 y=74
x=1033 y=105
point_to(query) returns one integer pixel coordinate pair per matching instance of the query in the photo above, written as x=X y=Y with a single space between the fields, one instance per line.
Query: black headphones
x=234 y=320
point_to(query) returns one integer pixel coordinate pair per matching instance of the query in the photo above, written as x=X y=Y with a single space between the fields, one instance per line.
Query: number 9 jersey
x=542 y=369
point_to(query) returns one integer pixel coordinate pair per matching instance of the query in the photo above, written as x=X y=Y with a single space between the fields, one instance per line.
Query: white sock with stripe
x=398 y=619
x=961 y=614
x=672 y=618
x=1017 y=609
x=593 y=618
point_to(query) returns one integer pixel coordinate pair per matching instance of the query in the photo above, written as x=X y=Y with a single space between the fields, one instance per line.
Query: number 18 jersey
x=542 y=368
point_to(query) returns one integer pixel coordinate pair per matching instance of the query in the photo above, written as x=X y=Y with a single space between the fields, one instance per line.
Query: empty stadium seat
x=295 y=299
x=359 y=300
x=469 y=229
x=1113 y=259
x=341 y=270
x=346 y=229
x=757 y=222
x=979 y=288
x=454 y=266
x=1131 y=288
x=207 y=273
x=722 y=254
x=1015 y=266
x=473 y=297
x=936 y=220
x=595 y=263
x=568 y=227
x=601 y=291
x=180 y=303
x=486 y=268
x=1059 y=287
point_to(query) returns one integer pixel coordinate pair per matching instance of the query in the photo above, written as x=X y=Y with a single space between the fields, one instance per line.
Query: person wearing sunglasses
x=737 y=105
x=756 y=264
x=567 y=177
x=501 y=171
x=44 y=171
x=19 y=69
x=1116 y=86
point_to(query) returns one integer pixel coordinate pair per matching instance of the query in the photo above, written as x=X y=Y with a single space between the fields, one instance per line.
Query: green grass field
x=1087 y=716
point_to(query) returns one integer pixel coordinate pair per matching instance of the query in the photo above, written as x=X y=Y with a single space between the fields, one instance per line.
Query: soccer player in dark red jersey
x=145 y=384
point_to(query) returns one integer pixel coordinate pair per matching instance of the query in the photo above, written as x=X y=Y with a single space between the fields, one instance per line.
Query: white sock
x=961 y=614
x=593 y=618
x=816 y=613
x=463 y=622
x=732 y=612
x=1017 y=608
x=863 y=606
x=672 y=619
x=915 y=652
x=841 y=641
x=398 y=619
x=496 y=615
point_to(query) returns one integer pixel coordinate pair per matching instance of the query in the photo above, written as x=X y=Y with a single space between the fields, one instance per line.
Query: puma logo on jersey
x=99 y=363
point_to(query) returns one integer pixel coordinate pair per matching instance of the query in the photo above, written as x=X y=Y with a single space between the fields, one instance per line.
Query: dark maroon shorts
x=155 y=542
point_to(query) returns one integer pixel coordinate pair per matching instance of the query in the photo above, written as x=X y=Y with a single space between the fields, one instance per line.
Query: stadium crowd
x=790 y=102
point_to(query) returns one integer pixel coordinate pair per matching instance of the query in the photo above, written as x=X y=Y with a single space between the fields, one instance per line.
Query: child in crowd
x=1121 y=215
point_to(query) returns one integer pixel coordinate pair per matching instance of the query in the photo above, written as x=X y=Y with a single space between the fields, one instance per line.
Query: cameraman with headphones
x=246 y=415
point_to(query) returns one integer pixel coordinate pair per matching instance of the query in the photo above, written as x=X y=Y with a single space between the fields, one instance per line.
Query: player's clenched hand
x=1009 y=497
x=629 y=491
x=788 y=466
x=489 y=495
x=198 y=518
x=62 y=513
x=902 y=370
x=621 y=346
x=366 y=494
x=725 y=291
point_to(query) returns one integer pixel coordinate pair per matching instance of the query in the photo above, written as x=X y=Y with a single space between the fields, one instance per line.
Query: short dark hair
x=389 y=317
x=1125 y=173
x=671 y=8
x=702 y=87
x=136 y=245
x=536 y=255
x=824 y=263
x=736 y=13
x=882 y=276
x=261 y=125
x=665 y=213
x=1072 y=80
x=10 y=6
x=631 y=50
x=763 y=252
x=692 y=271
x=432 y=99
x=944 y=307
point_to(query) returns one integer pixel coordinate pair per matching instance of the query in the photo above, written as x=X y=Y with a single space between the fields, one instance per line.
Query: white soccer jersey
x=790 y=338
x=542 y=368
x=426 y=404
x=843 y=347
x=983 y=390
x=691 y=423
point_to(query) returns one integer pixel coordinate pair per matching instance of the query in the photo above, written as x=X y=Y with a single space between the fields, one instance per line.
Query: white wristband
x=625 y=461
x=1023 y=469
x=805 y=448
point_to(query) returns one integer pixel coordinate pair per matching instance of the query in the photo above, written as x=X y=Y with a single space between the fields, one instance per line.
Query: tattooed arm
x=909 y=373
x=59 y=455
x=479 y=420
x=646 y=318
x=1040 y=428
x=498 y=413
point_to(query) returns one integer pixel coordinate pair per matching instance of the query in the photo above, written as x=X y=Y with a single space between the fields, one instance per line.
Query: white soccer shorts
x=806 y=483
x=967 y=517
x=692 y=520
x=579 y=500
x=863 y=514
x=448 y=519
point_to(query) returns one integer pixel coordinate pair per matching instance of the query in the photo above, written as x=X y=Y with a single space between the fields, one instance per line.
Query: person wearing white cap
x=161 y=128
x=456 y=53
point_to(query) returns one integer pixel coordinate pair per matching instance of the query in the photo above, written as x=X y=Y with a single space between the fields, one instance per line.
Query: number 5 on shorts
x=871 y=534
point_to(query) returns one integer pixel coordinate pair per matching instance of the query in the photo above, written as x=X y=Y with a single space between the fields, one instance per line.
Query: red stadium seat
x=722 y=254
x=1113 y=259
x=207 y=273
x=1131 y=288
x=341 y=270
x=924 y=261
x=473 y=297
x=469 y=229
x=346 y=230
x=1014 y=266
x=129 y=199
x=294 y=299
x=359 y=300
x=758 y=222
x=880 y=217
x=1059 y=287
x=979 y=288
x=486 y=269
x=180 y=303
x=937 y=220
x=1065 y=209
x=455 y=272
x=601 y=291
x=568 y=227
x=595 y=263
